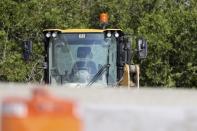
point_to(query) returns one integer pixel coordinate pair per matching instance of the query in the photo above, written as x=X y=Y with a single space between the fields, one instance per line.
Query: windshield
x=77 y=58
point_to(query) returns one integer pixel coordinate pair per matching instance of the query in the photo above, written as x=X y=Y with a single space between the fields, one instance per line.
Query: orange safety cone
x=42 y=112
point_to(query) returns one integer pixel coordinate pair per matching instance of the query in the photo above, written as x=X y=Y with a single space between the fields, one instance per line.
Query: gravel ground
x=118 y=109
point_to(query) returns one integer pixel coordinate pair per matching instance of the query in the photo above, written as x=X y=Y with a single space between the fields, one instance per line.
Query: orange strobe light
x=42 y=112
x=104 y=18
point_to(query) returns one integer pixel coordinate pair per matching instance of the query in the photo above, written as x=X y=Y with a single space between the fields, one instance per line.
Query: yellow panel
x=114 y=29
x=76 y=30
x=52 y=30
x=125 y=80
x=81 y=30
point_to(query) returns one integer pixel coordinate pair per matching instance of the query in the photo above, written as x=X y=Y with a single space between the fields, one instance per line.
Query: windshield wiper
x=98 y=74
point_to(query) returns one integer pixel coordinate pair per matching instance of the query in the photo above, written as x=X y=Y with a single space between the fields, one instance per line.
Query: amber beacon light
x=104 y=18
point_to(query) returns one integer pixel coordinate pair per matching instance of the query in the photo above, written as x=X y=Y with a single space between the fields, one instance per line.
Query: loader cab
x=85 y=56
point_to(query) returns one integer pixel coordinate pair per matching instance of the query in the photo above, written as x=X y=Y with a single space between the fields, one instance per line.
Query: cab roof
x=81 y=30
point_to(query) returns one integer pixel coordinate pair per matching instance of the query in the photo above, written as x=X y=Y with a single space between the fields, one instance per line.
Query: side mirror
x=27 y=50
x=142 y=48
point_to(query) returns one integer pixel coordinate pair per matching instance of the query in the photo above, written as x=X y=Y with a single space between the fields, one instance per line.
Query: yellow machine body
x=80 y=42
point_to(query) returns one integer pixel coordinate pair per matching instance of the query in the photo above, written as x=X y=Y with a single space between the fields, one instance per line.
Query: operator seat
x=84 y=63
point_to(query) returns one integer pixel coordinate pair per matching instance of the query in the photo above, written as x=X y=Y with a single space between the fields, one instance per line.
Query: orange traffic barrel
x=42 y=112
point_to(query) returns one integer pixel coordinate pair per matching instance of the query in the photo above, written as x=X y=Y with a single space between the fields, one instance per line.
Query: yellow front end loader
x=85 y=57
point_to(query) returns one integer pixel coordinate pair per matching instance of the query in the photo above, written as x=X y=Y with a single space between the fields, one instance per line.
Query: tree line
x=170 y=27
